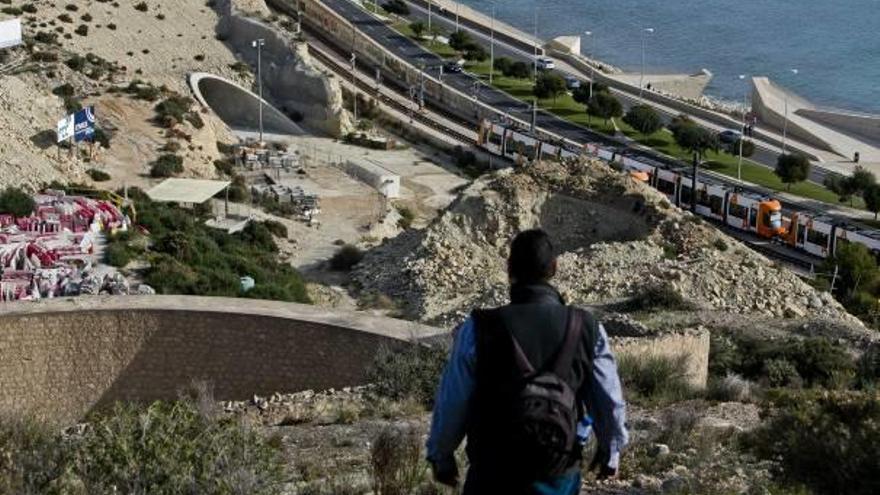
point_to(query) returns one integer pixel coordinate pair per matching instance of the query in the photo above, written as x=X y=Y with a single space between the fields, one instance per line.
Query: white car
x=545 y=63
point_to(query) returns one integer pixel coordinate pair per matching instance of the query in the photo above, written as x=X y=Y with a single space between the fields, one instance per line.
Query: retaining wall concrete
x=61 y=359
x=866 y=127
x=287 y=81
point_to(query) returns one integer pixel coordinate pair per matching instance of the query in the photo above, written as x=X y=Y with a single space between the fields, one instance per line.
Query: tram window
x=665 y=186
x=818 y=238
x=753 y=217
x=738 y=211
x=703 y=198
x=716 y=203
x=495 y=138
x=801 y=233
x=529 y=150
x=685 y=194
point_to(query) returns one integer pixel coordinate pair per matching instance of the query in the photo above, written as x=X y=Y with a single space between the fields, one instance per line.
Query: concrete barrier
x=62 y=358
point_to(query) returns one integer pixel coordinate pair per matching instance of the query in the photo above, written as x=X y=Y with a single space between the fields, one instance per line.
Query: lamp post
x=589 y=35
x=259 y=44
x=739 y=165
x=645 y=34
x=785 y=123
x=535 y=41
x=492 y=46
x=429 y=16
x=457 y=5
x=354 y=86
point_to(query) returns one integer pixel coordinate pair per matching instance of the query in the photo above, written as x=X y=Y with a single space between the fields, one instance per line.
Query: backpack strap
x=571 y=341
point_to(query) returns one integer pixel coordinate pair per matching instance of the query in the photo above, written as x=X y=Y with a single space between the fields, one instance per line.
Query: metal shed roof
x=195 y=191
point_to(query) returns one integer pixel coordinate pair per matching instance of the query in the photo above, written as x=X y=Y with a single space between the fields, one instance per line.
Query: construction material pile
x=618 y=238
x=50 y=253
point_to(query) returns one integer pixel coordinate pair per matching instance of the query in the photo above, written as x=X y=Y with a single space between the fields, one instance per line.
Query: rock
x=658 y=450
x=145 y=290
x=675 y=484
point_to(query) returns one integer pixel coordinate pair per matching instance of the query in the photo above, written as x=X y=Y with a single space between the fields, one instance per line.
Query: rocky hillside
x=617 y=237
x=96 y=47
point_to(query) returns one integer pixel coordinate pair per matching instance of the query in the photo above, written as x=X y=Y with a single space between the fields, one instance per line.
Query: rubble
x=616 y=236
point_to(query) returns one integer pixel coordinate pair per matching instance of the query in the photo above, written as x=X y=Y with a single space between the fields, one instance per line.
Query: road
x=765 y=154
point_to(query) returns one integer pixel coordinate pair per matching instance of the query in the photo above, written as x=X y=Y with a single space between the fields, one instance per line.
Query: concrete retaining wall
x=866 y=127
x=693 y=344
x=61 y=359
x=287 y=82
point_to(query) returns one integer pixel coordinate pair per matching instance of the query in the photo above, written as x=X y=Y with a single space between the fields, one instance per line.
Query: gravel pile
x=617 y=237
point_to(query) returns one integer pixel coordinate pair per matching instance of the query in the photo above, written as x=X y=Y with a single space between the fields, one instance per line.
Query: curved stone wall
x=61 y=359
x=238 y=107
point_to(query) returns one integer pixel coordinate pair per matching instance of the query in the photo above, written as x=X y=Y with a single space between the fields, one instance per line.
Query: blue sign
x=84 y=124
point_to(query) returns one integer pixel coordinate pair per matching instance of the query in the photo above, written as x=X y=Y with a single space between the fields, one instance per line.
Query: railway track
x=422 y=118
x=774 y=252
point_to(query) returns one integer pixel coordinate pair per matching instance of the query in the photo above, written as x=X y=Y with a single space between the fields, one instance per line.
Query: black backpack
x=545 y=412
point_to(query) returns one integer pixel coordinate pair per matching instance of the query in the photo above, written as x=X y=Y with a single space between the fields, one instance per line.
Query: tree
x=871 y=194
x=16 y=202
x=693 y=137
x=748 y=148
x=520 y=70
x=502 y=65
x=476 y=53
x=644 y=119
x=604 y=106
x=856 y=267
x=418 y=28
x=842 y=186
x=549 y=85
x=461 y=41
x=792 y=168
x=581 y=94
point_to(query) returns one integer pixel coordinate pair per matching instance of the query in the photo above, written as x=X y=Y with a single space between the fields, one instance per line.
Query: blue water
x=834 y=44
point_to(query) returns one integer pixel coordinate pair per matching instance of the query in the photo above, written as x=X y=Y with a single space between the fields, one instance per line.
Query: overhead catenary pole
x=457 y=5
x=258 y=44
x=589 y=35
x=429 y=16
x=535 y=44
x=645 y=34
x=742 y=136
x=492 y=46
x=785 y=123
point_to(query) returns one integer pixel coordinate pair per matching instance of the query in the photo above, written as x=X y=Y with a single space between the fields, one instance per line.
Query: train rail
x=416 y=115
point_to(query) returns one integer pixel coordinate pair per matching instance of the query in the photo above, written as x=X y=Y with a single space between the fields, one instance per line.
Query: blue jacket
x=604 y=401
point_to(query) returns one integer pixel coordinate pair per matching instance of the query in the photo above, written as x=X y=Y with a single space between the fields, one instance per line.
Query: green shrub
x=98 y=175
x=16 y=202
x=658 y=296
x=82 y=30
x=177 y=448
x=868 y=368
x=655 y=378
x=166 y=166
x=176 y=109
x=65 y=90
x=398 y=467
x=812 y=362
x=141 y=6
x=29 y=8
x=76 y=63
x=277 y=228
x=346 y=258
x=410 y=372
x=406 y=217
x=31 y=456
x=118 y=254
x=829 y=441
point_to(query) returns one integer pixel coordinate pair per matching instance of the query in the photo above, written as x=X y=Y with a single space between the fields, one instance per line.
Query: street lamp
x=739 y=165
x=259 y=44
x=645 y=32
x=354 y=85
x=535 y=41
x=492 y=46
x=589 y=35
x=429 y=16
x=785 y=124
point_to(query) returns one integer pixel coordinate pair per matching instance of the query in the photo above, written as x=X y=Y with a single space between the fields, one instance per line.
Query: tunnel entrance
x=238 y=107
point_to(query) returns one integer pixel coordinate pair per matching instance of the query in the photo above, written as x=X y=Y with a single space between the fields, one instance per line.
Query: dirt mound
x=617 y=238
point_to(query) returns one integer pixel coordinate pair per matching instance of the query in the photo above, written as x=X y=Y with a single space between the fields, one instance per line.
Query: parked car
x=452 y=67
x=545 y=63
x=572 y=82
x=729 y=136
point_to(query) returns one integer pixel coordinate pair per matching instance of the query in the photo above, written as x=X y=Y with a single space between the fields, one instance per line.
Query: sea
x=833 y=44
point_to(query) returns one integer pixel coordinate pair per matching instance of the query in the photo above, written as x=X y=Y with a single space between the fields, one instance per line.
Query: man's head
x=532 y=258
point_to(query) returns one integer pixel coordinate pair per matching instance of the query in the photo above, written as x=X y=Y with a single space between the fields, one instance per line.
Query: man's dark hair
x=532 y=257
